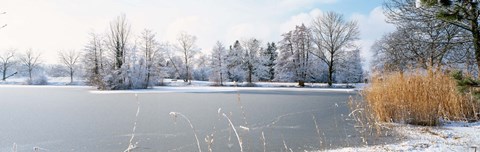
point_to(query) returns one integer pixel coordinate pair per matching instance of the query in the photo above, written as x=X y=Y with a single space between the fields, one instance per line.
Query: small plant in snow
x=234 y=130
x=175 y=115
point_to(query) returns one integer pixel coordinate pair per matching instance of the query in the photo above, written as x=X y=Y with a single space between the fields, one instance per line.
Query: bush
x=40 y=79
x=419 y=97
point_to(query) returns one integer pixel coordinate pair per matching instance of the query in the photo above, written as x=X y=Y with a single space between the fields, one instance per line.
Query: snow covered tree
x=149 y=47
x=234 y=63
x=7 y=60
x=93 y=60
x=188 y=49
x=294 y=62
x=350 y=69
x=218 y=63
x=332 y=36
x=173 y=63
x=31 y=61
x=253 y=60
x=271 y=56
x=70 y=61
x=202 y=70
x=117 y=40
x=118 y=37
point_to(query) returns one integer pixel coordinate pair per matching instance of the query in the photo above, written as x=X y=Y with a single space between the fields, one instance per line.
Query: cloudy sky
x=49 y=26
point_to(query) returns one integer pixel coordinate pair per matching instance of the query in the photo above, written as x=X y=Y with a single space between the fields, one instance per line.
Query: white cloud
x=298 y=19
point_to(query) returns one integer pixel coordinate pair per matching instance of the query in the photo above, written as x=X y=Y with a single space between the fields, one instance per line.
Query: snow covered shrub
x=418 y=97
x=39 y=79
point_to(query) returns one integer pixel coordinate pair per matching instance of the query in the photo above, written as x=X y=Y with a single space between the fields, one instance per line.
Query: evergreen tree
x=350 y=70
x=218 y=64
x=271 y=54
x=234 y=63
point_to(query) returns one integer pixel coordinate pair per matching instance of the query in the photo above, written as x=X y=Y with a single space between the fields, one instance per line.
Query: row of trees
x=430 y=34
x=119 y=59
x=29 y=64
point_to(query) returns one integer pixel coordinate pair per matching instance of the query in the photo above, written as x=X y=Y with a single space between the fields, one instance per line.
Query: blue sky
x=49 y=26
x=351 y=6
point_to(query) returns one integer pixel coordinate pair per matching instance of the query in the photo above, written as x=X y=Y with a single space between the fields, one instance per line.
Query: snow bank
x=172 y=85
x=55 y=81
x=200 y=89
x=173 y=82
x=453 y=136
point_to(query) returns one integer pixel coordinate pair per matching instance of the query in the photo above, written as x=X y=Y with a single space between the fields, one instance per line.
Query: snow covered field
x=59 y=81
x=56 y=81
x=453 y=136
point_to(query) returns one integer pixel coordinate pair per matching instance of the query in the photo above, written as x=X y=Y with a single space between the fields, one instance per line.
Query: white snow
x=204 y=89
x=55 y=81
x=453 y=136
x=194 y=87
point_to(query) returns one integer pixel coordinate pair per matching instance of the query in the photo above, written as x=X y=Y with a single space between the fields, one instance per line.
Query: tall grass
x=419 y=97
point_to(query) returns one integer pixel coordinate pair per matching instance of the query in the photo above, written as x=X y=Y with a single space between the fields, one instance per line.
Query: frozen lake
x=75 y=119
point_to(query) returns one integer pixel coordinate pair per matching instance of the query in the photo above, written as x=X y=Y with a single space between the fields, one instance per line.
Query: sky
x=50 y=26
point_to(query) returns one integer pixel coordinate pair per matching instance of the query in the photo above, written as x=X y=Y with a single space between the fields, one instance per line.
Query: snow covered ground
x=170 y=82
x=453 y=136
x=55 y=81
x=59 y=81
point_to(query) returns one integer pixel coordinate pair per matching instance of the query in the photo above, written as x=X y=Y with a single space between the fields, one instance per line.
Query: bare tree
x=117 y=42
x=69 y=59
x=332 y=36
x=93 y=59
x=150 y=49
x=421 y=38
x=118 y=38
x=464 y=14
x=6 y=61
x=30 y=60
x=188 y=49
x=389 y=53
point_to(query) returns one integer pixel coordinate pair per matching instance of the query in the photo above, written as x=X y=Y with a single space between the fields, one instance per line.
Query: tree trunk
x=4 y=73
x=250 y=71
x=221 y=79
x=301 y=83
x=148 y=79
x=330 y=72
x=187 y=75
x=71 y=76
x=330 y=75
x=476 y=37
x=30 y=74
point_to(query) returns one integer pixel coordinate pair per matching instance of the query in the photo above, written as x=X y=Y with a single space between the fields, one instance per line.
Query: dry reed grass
x=419 y=97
